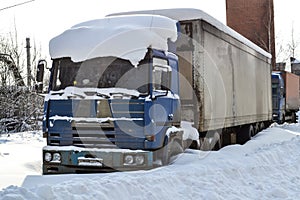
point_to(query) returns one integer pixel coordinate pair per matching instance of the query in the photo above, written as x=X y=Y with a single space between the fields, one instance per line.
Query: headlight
x=139 y=160
x=128 y=159
x=56 y=157
x=48 y=157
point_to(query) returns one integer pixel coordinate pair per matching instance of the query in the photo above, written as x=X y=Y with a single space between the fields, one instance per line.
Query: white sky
x=43 y=19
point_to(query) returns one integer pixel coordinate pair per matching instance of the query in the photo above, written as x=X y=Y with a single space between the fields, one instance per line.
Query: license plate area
x=90 y=162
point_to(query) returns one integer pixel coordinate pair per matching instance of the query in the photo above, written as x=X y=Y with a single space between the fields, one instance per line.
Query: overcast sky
x=43 y=19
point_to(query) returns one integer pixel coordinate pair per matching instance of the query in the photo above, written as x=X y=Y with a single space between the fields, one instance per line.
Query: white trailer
x=225 y=87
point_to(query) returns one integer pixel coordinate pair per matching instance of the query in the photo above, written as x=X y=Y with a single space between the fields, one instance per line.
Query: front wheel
x=170 y=151
x=212 y=141
x=282 y=120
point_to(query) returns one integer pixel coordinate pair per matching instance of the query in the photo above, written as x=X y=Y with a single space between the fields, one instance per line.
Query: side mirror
x=40 y=76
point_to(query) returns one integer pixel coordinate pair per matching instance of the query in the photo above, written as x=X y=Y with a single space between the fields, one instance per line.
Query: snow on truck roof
x=183 y=14
x=126 y=37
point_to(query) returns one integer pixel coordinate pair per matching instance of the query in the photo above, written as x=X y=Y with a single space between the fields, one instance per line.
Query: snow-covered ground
x=267 y=167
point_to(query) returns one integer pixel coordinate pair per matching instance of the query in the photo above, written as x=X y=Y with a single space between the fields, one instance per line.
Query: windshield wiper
x=97 y=94
x=124 y=94
x=103 y=95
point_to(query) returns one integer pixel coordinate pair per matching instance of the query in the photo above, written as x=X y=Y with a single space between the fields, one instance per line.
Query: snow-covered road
x=267 y=167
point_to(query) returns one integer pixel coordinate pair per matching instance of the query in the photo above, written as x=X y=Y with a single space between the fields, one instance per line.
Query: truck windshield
x=274 y=89
x=104 y=72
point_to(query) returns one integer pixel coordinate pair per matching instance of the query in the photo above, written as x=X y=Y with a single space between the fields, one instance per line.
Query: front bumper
x=88 y=160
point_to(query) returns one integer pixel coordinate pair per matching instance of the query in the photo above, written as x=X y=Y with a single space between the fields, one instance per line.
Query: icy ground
x=267 y=167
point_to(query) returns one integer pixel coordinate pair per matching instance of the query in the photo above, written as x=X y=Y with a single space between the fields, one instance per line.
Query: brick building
x=254 y=19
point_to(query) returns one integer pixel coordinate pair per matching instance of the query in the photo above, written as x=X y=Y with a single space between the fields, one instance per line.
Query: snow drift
x=267 y=167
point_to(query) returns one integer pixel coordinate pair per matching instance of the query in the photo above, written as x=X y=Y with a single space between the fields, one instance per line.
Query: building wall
x=254 y=19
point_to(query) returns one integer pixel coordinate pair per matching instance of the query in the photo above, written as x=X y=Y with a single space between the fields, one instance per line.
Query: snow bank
x=126 y=37
x=183 y=14
x=20 y=155
x=267 y=167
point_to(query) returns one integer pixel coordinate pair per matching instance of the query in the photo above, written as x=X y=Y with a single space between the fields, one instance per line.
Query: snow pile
x=184 y=14
x=126 y=37
x=267 y=167
x=189 y=131
x=20 y=155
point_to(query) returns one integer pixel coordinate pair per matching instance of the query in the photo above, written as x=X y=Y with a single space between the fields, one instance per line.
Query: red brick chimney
x=254 y=19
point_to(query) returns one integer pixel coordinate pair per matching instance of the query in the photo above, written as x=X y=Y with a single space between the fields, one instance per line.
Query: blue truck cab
x=278 y=97
x=106 y=114
x=113 y=98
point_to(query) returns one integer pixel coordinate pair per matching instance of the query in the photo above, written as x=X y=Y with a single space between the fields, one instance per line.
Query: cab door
x=160 y=105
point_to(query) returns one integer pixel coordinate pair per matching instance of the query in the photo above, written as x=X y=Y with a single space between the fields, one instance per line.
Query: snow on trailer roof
x=183 y=14
x=296 y=61
x=126 y=37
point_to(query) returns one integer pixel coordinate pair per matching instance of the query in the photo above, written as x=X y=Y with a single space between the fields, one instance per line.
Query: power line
x=19 y=4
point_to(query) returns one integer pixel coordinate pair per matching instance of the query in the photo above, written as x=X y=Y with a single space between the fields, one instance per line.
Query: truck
x=285 y=96
x=133 y=90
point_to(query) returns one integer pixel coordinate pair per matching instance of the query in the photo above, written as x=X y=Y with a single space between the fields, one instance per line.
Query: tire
x=256 y=129
x=282 y=120
x=175 y=150
x=168 y=152
x=219 y=143
x=191 y=144
x=245 y=134
x=294 y=119
x=212 y=141
x=261 y=126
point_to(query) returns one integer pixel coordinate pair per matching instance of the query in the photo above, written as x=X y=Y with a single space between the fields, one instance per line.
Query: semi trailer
x=285 y=96
x=131 y=90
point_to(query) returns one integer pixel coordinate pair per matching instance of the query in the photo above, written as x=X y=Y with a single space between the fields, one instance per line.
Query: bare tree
x=15 y=49
x=11 y=58
x=281 y=49
x=287 y=49
x=35 y=56
x=10 y=66
x=20 y=107
x=292 y=46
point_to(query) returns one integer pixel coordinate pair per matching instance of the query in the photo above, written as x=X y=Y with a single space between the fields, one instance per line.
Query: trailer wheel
x=191 y=144
x=245 y=134
x=293 y=120
x=261 y=126
x=219 y=142
x=256 y=129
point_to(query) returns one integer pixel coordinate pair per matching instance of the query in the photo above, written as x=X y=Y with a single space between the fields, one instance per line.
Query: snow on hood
x=184 y=14
x=126 y=37
x=91 y=93
x=86 y=119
